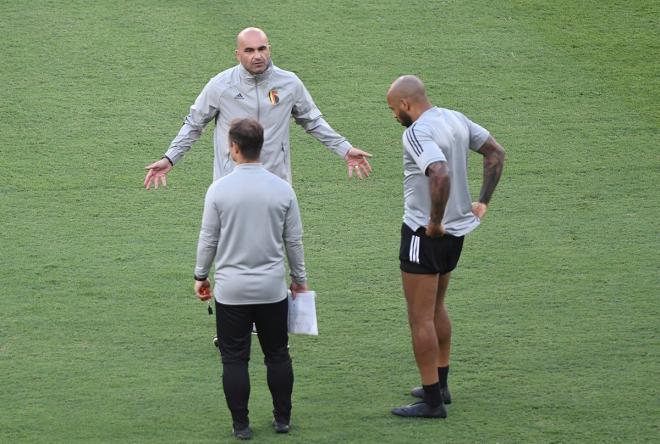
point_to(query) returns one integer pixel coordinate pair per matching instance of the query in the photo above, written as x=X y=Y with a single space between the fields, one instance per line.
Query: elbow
x=501 y=155
x=496 y=158
x=442 y=181
x=439 y=178
x=438 y=172
x=308 y=125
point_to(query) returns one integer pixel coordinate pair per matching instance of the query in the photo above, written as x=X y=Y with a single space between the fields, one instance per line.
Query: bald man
x=255 y=88
x=438 y=213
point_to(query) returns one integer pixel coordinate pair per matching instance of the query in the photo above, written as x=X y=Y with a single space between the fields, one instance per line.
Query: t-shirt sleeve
x=478 y=134
x=418 y=142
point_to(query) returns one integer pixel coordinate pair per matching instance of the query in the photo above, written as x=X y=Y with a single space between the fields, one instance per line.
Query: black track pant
x=234 y=327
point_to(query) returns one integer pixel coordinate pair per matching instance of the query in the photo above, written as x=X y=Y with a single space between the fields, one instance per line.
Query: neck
x=259 y=74
x=420 y=109
x=240 y=160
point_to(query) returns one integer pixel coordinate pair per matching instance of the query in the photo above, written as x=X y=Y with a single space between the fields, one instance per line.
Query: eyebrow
x=260 y=48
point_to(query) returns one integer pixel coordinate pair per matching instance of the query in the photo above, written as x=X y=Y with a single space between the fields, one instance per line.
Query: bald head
x=249 y=33
x=253 y=50
x=407 y=99
x=408 y=87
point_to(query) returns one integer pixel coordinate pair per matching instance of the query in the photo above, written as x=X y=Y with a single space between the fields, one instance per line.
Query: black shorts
x=420 y=254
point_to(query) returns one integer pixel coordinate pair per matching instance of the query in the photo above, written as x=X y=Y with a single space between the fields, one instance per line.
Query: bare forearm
x=440 y=187
x=493 y=165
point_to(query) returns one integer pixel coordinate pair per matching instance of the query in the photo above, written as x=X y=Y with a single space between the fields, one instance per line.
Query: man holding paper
x=251 y=222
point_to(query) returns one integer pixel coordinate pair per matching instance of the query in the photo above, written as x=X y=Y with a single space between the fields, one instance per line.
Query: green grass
x=555 y=302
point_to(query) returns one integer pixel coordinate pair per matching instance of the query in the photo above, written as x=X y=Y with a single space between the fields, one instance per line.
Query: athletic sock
x=432 y=395
x=443 y=373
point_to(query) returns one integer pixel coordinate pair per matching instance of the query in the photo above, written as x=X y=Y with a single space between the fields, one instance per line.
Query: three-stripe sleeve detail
x=413 y=141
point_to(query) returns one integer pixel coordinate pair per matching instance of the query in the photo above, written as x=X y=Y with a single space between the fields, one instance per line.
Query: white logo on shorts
x=413 y=254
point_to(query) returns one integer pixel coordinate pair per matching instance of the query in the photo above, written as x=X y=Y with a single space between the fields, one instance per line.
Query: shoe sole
x=402 y=414
x=282 y=428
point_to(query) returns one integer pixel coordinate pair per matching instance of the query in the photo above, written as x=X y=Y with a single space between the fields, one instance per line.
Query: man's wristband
x=201 y=279
x=168 y=159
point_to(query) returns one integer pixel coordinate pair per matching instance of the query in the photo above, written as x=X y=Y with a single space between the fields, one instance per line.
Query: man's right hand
x=157 y=173
x=203 y=290
x=435 y=230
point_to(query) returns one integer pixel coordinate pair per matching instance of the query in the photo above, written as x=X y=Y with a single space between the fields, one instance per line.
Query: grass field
x=555 y=303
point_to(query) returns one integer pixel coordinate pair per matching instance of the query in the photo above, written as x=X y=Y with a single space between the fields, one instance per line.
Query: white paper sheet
x=302 y=314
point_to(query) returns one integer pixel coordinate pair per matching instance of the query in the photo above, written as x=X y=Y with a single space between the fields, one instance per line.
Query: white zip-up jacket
x=272 y=98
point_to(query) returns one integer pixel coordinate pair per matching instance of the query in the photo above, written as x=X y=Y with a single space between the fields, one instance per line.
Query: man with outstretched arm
x=258 y=89
x=438 y=213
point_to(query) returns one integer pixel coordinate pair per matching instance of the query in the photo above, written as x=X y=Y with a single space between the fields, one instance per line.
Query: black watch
x=197 y=278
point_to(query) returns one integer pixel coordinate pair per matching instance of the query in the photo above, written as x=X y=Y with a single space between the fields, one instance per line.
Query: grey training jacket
x=251 y=222
x=272 y=98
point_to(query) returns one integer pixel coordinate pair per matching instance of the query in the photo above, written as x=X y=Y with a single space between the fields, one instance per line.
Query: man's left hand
x=479 y=209
x=297 y=288
x=357 y=163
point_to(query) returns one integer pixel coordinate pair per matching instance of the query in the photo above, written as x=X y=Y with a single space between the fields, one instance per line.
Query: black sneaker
x=281 y=427
x=420 y=410
x=418 y=392
x=242 y=433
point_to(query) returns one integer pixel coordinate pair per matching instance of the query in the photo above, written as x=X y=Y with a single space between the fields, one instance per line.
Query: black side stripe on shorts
x=413 y=253
x=414 y=143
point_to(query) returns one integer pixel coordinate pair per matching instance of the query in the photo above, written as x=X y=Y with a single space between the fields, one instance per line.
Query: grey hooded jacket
x=272 y=97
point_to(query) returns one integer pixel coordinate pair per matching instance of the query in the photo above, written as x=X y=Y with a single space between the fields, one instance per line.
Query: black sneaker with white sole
x=420 y=410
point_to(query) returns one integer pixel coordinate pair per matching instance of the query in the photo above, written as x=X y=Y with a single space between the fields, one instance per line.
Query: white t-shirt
x=440 y=135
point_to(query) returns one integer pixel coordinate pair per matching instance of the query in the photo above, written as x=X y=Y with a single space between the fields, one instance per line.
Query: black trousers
x=234 y=327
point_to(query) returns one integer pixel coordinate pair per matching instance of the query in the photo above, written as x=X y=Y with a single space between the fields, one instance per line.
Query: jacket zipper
x=256 y=88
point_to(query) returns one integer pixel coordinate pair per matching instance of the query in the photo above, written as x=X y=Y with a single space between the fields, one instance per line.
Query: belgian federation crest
x=273 y=97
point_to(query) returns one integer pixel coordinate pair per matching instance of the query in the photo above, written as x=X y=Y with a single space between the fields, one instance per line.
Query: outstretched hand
x=357 y=163
x=157 y=173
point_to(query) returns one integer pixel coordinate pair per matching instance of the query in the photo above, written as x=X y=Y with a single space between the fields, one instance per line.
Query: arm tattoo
x=439 y=187
x=493 y=164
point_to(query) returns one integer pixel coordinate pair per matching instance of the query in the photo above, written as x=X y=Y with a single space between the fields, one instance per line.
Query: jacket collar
x=253 y=79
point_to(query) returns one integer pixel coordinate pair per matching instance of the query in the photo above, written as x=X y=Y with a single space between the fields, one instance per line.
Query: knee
x=277 y=356
x=424 y=333
x=421 y=325
x=237 y=356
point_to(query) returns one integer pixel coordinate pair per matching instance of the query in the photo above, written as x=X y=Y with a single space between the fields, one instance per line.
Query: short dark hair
x=248 y=134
